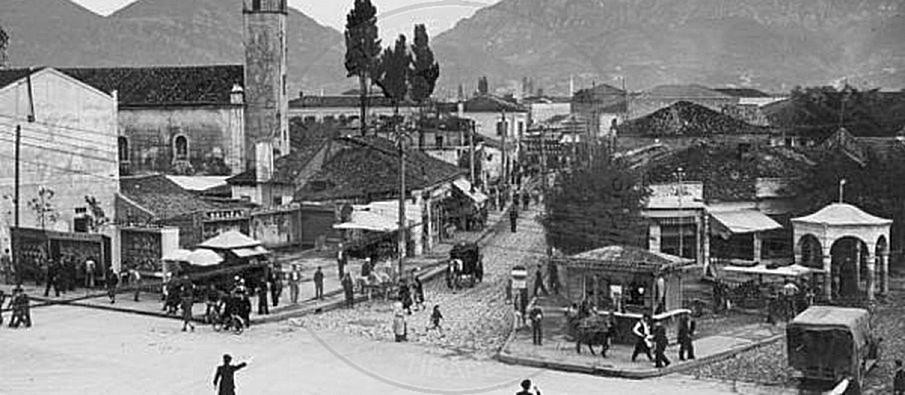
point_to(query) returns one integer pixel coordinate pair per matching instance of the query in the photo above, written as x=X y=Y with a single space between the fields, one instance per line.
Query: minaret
x=266 y=98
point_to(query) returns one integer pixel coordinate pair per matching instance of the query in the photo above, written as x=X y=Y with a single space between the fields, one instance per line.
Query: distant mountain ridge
x=162 y=32
x=766 y=44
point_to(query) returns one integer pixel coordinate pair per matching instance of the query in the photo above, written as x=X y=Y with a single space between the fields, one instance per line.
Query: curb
x=504 y=357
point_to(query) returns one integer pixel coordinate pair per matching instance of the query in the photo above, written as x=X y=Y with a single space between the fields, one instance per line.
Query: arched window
x=181 y=148
x=123 y=149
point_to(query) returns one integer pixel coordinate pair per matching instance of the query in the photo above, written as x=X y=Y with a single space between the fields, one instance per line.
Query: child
x=436 y=316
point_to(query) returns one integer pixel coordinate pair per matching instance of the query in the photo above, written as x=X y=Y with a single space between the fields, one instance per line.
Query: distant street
x=73 y=350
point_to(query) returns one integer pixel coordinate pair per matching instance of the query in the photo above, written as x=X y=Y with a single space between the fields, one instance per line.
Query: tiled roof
x=285 y=168
x=688 y=119
x=342 y=101
x=369 y=166
x=727 y=174
x=164 y=198
x=164 y=86
x=485 y=103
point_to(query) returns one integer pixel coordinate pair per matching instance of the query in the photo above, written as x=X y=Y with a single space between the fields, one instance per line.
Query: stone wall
x=209 y=132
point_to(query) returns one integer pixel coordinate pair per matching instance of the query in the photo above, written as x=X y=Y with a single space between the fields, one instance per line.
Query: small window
x=500 y=128
x=521 y=128
x=256 y=5
x=439 y=139
x=181 y=148
x=123 y=149
x=278 y=201
x=81 y=210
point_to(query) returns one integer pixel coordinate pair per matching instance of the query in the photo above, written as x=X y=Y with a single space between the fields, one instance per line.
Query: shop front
x=33 y=248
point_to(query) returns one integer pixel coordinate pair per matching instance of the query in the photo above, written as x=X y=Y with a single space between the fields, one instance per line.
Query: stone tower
x=266 y=102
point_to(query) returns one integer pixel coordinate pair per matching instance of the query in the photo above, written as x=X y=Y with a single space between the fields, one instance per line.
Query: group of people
x=649 y=335
x=20 y=306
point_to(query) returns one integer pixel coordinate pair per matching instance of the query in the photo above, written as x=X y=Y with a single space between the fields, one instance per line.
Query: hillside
x=162 y=32
x=771 y=45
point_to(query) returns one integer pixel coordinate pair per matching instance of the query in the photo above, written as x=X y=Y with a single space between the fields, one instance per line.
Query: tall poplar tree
x=362 y=50
x=425 y=69
x=393 y=72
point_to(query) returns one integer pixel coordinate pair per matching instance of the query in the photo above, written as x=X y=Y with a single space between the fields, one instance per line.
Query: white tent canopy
x=177 y=255
x=203 y=257
x=230 y=240
x=465 y=186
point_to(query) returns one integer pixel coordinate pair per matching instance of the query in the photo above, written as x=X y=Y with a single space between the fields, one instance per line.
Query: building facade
x=69 y=151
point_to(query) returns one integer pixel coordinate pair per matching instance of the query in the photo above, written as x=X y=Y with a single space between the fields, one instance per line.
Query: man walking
x=513 y=217
x=294 y=278
x=539 y=282
x=642 y=333
x=51 y=278
x=536 y=316
x=341 y=260
x=225 y=376
x=112 y=281
x=685 y=333
x=660 y=344
x=6 y=265
x=188 y=300
x=276 y=286
x=319 y=284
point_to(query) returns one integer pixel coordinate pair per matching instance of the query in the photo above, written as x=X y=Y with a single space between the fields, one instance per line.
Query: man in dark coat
x=318 y=284
x=224 y=379
x=276 y=287
x=513 y=218
x=262 y=299
x=347 y=289
x=536 y=316
x=685 y=333
x=188 y=300
x=51 y=278
x=539 y=282
x=660 y=344
x=341 y=260
x=112 y=282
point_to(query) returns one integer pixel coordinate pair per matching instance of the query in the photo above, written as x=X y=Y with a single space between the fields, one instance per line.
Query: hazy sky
x=398 y=16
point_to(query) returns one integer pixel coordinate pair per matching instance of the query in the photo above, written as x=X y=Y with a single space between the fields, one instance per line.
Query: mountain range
x=772 y=45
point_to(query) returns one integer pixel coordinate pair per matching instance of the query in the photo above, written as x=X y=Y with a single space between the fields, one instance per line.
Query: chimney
x=237 y=95
x=460 y=110
x=263 y=161
x=301 y=94
x=571 y=85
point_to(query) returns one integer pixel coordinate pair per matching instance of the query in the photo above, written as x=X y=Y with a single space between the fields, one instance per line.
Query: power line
x=75 y=145
x=97 y=158
x=69 y=170
x=53 y=126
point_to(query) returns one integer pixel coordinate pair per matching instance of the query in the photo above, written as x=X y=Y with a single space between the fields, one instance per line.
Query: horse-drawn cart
x=465 y=267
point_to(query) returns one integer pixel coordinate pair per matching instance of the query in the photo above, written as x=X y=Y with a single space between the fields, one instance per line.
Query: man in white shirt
x=643 y=334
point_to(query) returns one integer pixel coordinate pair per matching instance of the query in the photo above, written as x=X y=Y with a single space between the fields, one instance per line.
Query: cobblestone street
x=476 y=320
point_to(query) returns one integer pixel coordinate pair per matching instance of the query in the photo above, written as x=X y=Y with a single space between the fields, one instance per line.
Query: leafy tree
x=483 y=86
x=875 y=187
x=44 y=210
x=425 y=69
x=596 y=206
x=4 y=43
x=393 y=72
x=820 y=111
x=362 y=50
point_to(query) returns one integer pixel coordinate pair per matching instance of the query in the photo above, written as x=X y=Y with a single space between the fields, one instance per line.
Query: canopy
x=177 y=255
x=745 y=221
x=795 y=270
x=250 y=252
x=230 y=240
x=202 y=257
x=466 y=188
x=366 y=220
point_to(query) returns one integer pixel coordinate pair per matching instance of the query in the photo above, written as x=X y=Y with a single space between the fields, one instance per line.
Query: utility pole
x=31 y=118
x=504 y=176
x=543 y=157
x=402 y=221
x=679 y=190
x=472 y=152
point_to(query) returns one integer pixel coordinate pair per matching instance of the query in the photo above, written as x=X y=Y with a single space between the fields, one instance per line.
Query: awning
x=744 y=221
x=230 y=240
x=466 y=188
x=795 y=270
x=366 y=220
x=250 y=252
x=177 y=255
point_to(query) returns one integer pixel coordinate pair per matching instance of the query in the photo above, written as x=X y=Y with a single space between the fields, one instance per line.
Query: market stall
x=239 y=255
